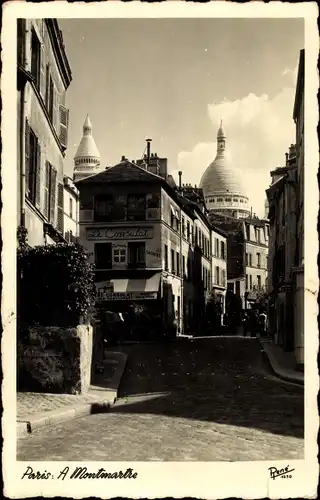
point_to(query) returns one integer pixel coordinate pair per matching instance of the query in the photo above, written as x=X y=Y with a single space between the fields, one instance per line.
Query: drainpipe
x=22 y=138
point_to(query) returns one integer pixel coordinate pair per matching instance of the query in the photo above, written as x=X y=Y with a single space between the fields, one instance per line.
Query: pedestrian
x=244 y=323
x=263 y=323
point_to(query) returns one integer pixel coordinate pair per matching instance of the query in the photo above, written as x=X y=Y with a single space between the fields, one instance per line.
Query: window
x=70 y=208
x=50 y=192
x=178 y=264
x=223 y=277
x=247 y=259
x=33 y=157
x=188 y=230
x=259 y=282
x=136 y=207
x=258 y=260
x=183 y=266
x=250 y=259
x=178 y=307
x=102 y=255
x=189 y=269
x=217 y=275
x=119 y=255
x=247 y=282
x=166 y=266
x=222 y=250
x=103 y=208
x=250 y=281
x=183 y=227
x=172 y=262
x=209 y=280
x=258 y=235
x=137 y=254
x=217 y=248
x=50 y=99
x=35 y=58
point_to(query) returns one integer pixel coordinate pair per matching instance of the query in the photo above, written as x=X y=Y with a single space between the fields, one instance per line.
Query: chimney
x=180 y=176
x=123 y=158
x=287 y=156
x=148 y=150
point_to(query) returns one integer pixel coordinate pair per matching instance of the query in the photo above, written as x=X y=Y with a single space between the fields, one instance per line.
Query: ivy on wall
x=55 y=285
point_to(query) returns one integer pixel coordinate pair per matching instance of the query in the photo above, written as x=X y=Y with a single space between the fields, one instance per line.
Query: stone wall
x=54 y=359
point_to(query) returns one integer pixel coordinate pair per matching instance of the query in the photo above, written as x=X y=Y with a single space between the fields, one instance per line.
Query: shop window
x=102 y=255
x=172 y=262
x=119 y=255
x=166 y=264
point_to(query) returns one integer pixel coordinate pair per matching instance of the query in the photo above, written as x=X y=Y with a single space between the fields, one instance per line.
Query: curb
x=107 y=397
x=278 y=371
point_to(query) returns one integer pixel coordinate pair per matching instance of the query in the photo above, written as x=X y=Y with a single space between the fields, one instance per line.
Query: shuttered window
x=64 y=123
x=60 y=208
x=46 y=203
x=53 y=188
x=42 y=74
x=32 y=166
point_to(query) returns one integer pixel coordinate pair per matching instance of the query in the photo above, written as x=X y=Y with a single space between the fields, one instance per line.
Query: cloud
x=259 y=131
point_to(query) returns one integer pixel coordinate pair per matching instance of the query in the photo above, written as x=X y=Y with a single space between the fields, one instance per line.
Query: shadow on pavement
x=220 y=380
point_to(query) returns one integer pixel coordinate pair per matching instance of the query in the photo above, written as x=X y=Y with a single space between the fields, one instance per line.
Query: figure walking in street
x=263 y=323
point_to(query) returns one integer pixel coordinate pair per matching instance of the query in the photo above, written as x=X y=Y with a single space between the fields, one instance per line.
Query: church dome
x=87 y=146
x=222 y=183
x=87 y=157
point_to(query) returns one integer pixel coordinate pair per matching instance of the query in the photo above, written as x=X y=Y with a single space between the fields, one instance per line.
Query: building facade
x=43 y=76
x=150 y=245
x=256 y=236
x=286 y=258
x=70 y=210
x=282 y=215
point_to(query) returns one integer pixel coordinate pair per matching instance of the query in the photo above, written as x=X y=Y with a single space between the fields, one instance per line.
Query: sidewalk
x=36 y=410
x=282 y=363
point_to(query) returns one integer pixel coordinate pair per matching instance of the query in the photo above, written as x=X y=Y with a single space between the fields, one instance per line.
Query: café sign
x=119 y=233
x=126 y=295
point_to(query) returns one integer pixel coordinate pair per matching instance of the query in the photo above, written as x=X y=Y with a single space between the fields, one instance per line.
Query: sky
x=173 y=80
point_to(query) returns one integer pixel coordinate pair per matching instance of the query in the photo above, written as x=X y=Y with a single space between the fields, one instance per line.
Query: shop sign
x=127 y=295
x=119 y=233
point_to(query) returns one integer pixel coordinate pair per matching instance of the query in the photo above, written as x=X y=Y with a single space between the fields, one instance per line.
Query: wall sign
x=119 y=233
x=126 y=295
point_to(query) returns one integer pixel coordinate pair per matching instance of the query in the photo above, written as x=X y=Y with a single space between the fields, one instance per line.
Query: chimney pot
x=123 y=158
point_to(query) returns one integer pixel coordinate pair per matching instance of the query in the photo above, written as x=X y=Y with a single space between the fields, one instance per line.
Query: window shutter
x=54 y=112
x=53 y=195
x=46 y=190
x=27 y=155
x=47 y=86
x=60 y=208
x=37 y=174
x=64 y=122
x=42 y=73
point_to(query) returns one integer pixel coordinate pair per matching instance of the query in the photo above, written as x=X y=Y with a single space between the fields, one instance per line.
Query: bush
x=55 y=285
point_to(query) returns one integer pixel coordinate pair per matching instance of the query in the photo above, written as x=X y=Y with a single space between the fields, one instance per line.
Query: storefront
x=130 y=308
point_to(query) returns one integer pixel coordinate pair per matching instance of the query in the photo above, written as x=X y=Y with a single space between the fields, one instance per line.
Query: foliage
x=22 y=236
x=56 y=285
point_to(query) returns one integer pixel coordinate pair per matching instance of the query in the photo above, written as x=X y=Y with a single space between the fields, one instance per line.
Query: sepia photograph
x=159 y=218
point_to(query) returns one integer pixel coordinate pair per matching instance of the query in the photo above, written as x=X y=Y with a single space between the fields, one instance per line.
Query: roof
x=125 y=171
x=299 y=86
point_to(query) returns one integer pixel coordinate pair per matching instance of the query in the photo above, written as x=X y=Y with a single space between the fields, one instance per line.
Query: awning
x=129 y=289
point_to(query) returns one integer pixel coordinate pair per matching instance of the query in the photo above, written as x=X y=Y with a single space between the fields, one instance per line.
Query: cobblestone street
x=211 y=399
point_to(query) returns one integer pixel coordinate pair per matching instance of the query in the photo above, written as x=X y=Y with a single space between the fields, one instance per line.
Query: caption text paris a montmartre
x=80 y=473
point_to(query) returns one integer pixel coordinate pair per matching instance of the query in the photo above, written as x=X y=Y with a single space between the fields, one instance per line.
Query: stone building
x=151 y=246
x=286 y=258
x=71 y=210
x=43 y=76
